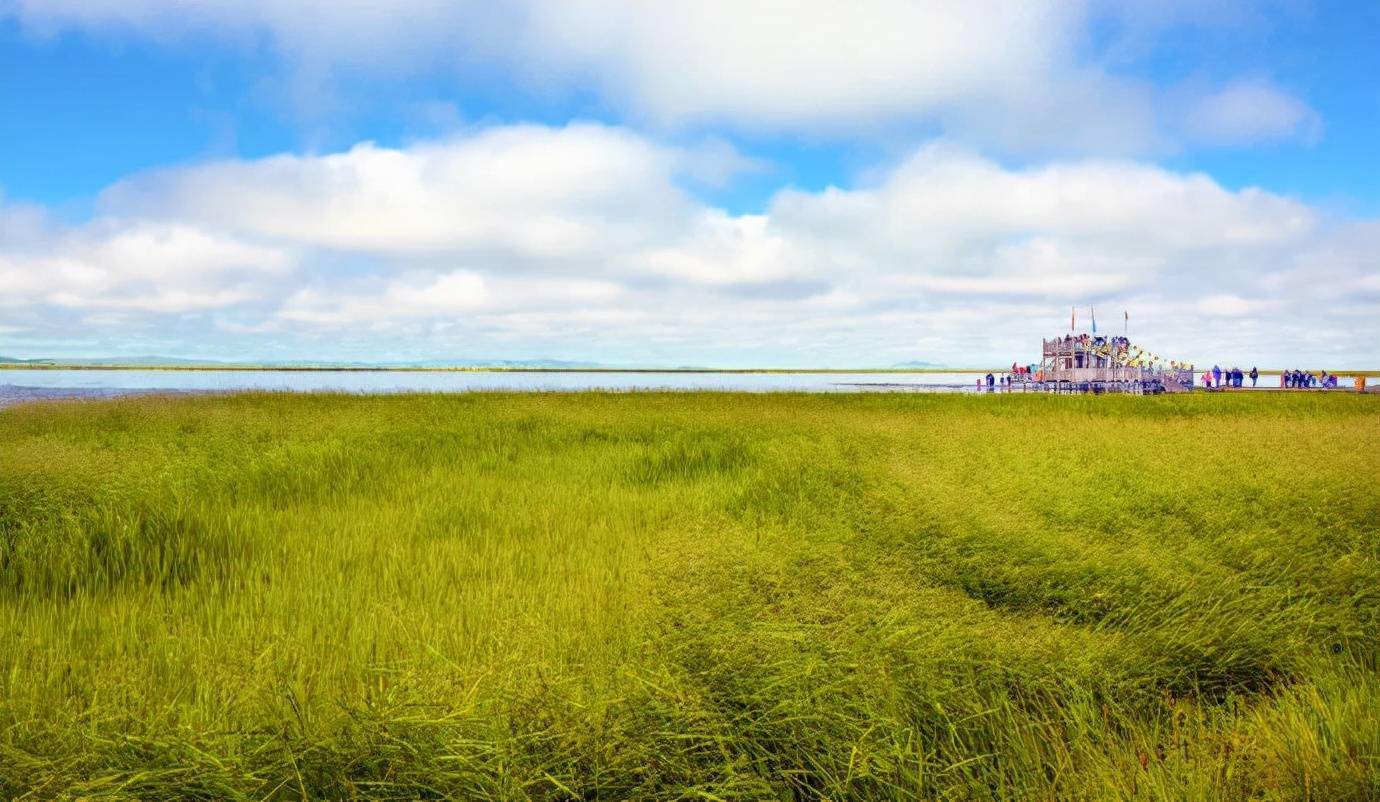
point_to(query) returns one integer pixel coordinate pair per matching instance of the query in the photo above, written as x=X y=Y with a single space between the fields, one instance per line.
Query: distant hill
x=147 y=361
x=915 y=364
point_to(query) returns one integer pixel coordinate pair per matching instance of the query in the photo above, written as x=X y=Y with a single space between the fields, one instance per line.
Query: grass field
x=691 y=596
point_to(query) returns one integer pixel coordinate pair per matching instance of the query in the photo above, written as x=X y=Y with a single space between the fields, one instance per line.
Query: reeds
x=691 y=596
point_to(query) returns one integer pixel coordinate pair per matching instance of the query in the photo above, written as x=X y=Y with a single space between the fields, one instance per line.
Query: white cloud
x=522 y=191
x=119 y=264
x=458 y=294
x=579 y=242
x=1008 y=74
x=787 y=63
x=964 y=221
x=1249 y=112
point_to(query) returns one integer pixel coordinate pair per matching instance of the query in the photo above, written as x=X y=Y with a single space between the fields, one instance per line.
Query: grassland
x=691 y=596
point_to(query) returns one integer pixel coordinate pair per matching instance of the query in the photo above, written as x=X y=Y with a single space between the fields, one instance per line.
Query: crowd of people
x=1291 y=379
x=1098 y=340
x=1300 y=379
x=1232 y=377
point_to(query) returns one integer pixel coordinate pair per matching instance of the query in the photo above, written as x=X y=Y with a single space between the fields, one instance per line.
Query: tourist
x=991 y=381
x=1237 y=377
x=1207 y=379
x=1217 y=375
x=1255 y=374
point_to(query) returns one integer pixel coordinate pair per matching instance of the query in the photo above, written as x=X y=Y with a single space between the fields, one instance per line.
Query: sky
x=756 y=183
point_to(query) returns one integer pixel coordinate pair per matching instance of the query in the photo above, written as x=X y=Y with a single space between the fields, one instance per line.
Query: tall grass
x=691 y=596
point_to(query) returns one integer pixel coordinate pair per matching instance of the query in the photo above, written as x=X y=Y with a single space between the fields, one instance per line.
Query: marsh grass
x=691 y=596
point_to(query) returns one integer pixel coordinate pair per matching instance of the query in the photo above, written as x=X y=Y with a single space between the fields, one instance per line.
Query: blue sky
x=751 y=183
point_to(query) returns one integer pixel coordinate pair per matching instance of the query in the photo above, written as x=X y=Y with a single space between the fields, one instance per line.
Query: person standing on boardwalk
x=1255 y=374
x=991 y=381
x=1217 y=375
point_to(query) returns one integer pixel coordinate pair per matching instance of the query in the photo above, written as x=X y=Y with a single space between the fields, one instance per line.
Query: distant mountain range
x=150 y=361
x=153 y=361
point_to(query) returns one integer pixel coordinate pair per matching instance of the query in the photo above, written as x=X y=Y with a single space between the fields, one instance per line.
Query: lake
x=23 y=384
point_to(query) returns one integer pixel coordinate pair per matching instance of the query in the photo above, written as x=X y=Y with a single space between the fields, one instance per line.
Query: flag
x=1073 y=318
x=1093 y=312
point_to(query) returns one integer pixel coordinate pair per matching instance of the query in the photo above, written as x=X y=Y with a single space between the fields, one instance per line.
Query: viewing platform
x=1090 y=363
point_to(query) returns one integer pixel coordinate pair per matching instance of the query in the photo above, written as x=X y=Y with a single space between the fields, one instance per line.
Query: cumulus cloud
x=529 y=191
x=580 y=242
x=116 y=264
x=1008 y=74
x=775 y=63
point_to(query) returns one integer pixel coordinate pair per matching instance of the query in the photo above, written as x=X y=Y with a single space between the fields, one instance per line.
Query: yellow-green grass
x=691 y=596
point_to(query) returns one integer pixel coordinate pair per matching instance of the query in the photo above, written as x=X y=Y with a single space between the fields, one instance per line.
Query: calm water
x=25 y=384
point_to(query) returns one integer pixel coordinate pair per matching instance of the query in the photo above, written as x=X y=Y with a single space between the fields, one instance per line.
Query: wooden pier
x=1086 y=363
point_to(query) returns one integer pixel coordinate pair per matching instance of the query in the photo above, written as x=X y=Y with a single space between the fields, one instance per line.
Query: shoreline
x=496 y=369
x=12 y=395
x=1368 y=373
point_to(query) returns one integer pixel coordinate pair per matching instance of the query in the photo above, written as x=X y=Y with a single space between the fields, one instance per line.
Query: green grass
x=691 y=596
